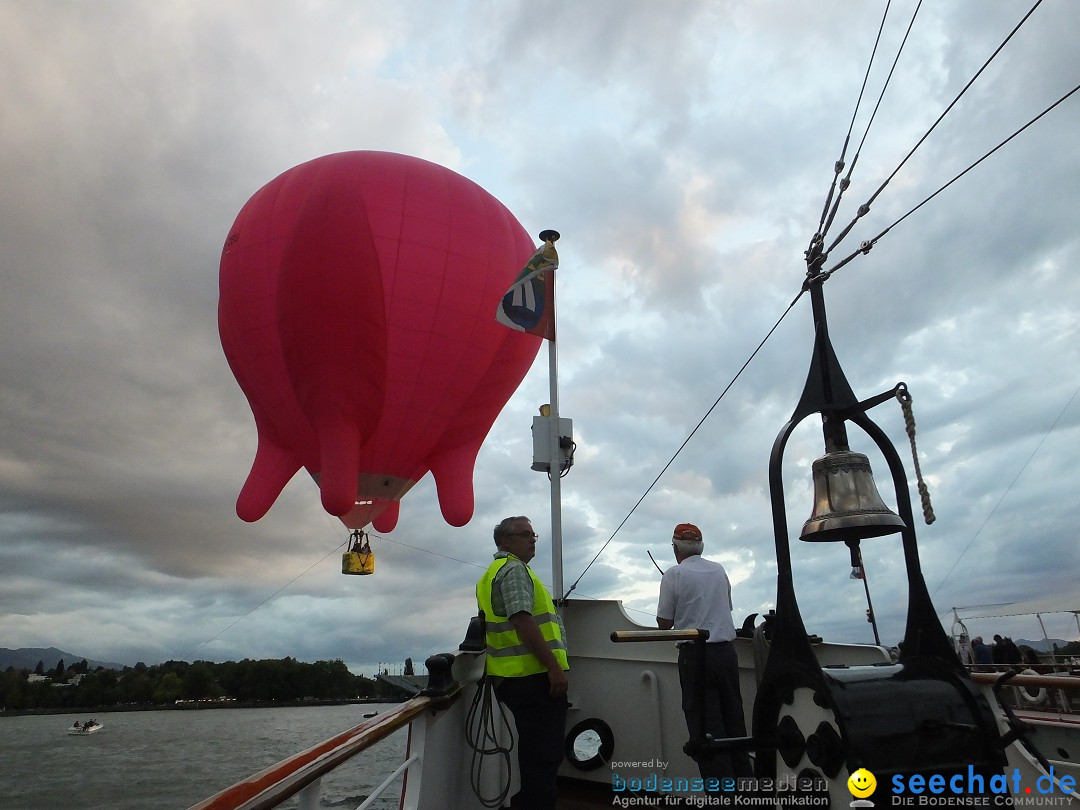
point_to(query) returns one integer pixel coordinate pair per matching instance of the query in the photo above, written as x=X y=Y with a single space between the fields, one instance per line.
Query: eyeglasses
x=533 y=535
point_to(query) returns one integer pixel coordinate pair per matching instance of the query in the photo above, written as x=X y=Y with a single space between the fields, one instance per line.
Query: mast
x=534 y=294
x=554 y=438
x=555 y=469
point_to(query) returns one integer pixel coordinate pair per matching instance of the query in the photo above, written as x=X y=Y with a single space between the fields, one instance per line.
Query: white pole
x=555 y=472
x=1043 y=628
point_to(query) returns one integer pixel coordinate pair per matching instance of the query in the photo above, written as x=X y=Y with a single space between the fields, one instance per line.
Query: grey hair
x=688 y=547
x=506 y=527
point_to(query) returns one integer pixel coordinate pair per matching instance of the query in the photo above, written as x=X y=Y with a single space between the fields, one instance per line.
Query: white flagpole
x=555 y=473
x=555 y=452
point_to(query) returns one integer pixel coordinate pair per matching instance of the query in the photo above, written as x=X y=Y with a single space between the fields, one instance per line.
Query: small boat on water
x=91 y=726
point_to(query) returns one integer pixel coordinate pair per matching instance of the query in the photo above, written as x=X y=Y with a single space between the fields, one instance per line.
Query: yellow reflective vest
x=507 y=657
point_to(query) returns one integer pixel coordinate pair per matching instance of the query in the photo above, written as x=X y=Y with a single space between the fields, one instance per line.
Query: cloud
x=685 y=156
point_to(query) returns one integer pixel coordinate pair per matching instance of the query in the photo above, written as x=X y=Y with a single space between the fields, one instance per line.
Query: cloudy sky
x=685 y=151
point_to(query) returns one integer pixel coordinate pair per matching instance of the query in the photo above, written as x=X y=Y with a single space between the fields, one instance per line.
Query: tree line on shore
x=284 y=680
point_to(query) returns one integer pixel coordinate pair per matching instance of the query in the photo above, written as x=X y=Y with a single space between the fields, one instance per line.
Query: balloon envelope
x=357 y=294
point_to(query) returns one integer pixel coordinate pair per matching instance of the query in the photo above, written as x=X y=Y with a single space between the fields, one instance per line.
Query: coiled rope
x=481 y=732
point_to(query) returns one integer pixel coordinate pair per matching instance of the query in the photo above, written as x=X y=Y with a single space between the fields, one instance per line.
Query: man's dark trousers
x=541 y=724
x=723 y=705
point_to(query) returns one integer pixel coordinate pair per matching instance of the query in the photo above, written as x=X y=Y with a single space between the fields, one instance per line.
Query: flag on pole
x=529 y=304
x=857 y=573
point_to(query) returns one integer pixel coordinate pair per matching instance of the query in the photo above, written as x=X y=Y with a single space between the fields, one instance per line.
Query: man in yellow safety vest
x=526 y=656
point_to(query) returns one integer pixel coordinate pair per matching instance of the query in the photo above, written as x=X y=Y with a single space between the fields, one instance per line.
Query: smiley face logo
x=861 y=783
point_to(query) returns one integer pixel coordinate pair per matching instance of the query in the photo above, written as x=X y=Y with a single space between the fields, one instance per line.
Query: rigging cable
x=865 y=207
x=264 y=601
x=1004 y=494
x=824 y=275
x=484 y=567
x=323 y=559
x=846 y=182
x=867 y=245
x=429 y=551
x=648 y=489
x=839 y=165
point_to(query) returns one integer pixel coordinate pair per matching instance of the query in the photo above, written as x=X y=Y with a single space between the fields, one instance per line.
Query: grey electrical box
x=541 y=436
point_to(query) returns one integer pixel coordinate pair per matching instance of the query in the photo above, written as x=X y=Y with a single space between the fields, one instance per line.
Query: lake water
x=173 y=759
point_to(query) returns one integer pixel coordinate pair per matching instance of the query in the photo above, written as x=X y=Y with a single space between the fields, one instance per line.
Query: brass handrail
x=622 y=636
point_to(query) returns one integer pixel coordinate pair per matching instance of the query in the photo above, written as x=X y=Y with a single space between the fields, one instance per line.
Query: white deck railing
x=300 y=775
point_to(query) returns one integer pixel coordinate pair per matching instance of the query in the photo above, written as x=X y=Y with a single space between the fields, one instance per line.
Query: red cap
x=687 y=531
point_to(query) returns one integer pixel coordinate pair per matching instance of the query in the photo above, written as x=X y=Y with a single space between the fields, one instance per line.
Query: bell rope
x=904 y=397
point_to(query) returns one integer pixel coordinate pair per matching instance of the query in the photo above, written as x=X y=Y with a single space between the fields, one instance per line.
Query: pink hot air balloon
x=356 y=311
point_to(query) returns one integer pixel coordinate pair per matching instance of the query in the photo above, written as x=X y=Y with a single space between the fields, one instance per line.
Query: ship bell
x=847 y=505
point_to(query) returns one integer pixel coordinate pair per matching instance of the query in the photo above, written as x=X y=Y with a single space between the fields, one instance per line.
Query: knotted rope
x=904 y=397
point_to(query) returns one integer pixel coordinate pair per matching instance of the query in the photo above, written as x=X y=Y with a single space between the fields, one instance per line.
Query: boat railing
x=1062 y=662
x=1055 y=691
x=300 y=775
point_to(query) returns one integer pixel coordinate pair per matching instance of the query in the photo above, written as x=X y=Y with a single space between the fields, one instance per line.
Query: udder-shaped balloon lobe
x=248 y=325
x=331 y=315
x=370 y=354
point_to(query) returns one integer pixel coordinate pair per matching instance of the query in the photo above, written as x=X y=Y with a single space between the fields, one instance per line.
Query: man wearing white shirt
x=696 y=594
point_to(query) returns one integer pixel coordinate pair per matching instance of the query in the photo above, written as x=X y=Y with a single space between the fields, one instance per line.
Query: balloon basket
x=353 y=562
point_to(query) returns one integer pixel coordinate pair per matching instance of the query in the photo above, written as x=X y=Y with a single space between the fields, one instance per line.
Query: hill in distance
x=28 y=657
x=1042 y=645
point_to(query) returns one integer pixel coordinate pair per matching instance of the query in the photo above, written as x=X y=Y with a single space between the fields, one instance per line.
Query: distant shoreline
x=199 y=705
